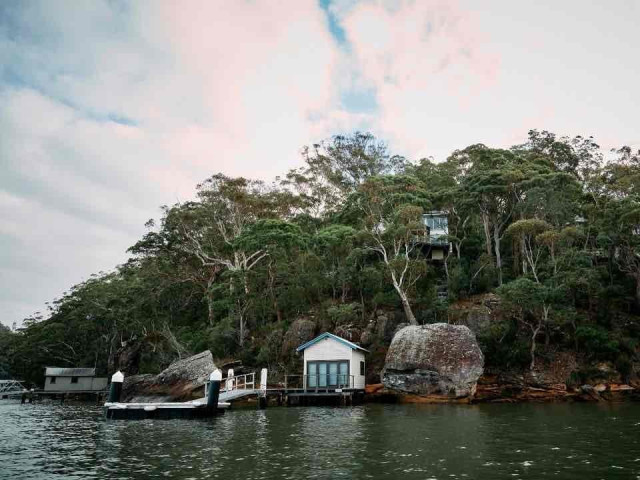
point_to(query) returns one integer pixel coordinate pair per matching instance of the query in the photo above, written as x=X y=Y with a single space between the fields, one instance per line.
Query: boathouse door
x=328 y=374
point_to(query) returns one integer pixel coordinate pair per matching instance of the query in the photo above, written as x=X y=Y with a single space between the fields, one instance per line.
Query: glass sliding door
x=322 y=374
x=333 y=374
x=312 y=374
x=328 y=374
x=343 y=379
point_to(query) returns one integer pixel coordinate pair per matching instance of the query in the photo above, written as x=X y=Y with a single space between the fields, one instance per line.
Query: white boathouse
x=333 y=363
x=73 y=380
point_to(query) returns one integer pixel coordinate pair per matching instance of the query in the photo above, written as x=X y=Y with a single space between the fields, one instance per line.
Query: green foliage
x=596 y=342
x=548 y=225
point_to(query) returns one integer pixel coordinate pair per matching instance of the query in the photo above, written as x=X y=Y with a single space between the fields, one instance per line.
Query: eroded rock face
x=301 y=331
x=478 y=312
x=181 y=380
x=436 y=359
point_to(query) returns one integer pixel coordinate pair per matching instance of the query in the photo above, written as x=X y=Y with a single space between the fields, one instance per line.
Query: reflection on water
x=373 y=441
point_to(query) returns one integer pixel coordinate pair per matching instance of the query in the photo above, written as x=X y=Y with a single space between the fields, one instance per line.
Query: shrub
x=597 y=343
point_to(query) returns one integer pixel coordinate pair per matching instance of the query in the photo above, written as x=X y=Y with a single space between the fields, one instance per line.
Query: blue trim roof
x=349 y=344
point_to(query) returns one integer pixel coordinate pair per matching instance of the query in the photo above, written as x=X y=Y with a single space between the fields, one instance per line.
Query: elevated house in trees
x=436 y=239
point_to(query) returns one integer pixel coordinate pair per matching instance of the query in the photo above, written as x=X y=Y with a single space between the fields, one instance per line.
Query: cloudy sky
x=110 y=108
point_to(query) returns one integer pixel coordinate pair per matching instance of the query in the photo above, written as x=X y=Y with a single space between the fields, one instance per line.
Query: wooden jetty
x=209 y=406
x=12 y=389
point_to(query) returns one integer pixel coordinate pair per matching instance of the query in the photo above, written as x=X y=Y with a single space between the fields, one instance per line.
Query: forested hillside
x=551 y=226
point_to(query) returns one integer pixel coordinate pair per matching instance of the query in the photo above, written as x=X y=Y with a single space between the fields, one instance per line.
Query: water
x=372 y=441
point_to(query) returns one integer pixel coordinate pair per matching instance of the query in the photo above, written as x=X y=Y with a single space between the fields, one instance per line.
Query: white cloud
x=109 y=109
x=114 y=109
x=421 y=58
x=450 y=73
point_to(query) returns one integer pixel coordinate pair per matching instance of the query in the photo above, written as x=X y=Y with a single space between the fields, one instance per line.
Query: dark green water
x=373 y=441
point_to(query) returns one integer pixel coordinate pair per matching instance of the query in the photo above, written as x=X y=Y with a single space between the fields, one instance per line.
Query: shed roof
x=349 y=344
x=70 y=372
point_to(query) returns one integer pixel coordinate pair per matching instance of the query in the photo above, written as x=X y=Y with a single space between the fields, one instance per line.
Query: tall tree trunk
x=496 y=240
x=407 y=309
x=524 y=255
x=532 y=350
x=411 y=318
x=211 y=312
x=638 y=289
x=209 y=296
x=241 y=336
x=487 y=233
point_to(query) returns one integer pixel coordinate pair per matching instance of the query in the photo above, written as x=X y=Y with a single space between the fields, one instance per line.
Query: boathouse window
x=74 y=379
x=328 y=374
x=361 y=368
x=53 y=380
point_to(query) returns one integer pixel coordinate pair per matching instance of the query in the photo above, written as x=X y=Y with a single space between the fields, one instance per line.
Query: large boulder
x=434 y=360
x=301 y=331
x=181 y=380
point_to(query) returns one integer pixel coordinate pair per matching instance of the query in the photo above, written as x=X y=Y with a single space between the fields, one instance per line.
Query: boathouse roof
x=70 y=372
x=349 y=344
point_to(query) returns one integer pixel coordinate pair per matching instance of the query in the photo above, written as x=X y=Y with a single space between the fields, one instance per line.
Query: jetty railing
x=11 y=387
x=329 y=381
x=240 y=382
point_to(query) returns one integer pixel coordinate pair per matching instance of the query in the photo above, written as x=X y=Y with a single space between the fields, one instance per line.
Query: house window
x=53 y=380
x=74 y=379
x=361 y=368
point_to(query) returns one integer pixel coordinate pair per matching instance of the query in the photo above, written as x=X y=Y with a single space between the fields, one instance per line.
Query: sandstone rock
x=181 y=380
x=437 y=359
x=348 y=332
x=478 y=312
x=555 y=368
x=127 y=357
x=400 y=327
x=366 y=338
x=301 y=330
x=195 y=369
x=589 y=394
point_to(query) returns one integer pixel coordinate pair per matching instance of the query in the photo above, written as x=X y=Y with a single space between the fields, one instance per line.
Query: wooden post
x=116 y=387
x=262 y=400
x=214 y=391
x=230 y=379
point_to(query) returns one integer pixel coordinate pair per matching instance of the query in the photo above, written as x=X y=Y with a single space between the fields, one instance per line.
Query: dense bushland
x=551 y=226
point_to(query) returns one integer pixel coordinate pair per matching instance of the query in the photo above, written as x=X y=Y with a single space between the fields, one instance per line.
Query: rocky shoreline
x=489 y=390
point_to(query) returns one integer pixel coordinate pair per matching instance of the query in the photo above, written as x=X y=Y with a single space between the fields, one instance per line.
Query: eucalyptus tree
x=392 y=209
x=532 y=304
x=619 y=213
x=282 y=242
x=527 y=232
x=490 y=178
x=336 y=167
x=335 y=244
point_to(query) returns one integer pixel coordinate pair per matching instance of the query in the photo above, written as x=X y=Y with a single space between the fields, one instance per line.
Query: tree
x=531 y=303
x=527 y=231
x=335 y=168
x=490 y=180
x=392 y=209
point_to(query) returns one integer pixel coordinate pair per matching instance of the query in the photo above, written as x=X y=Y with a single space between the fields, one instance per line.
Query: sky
x=111 y=108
